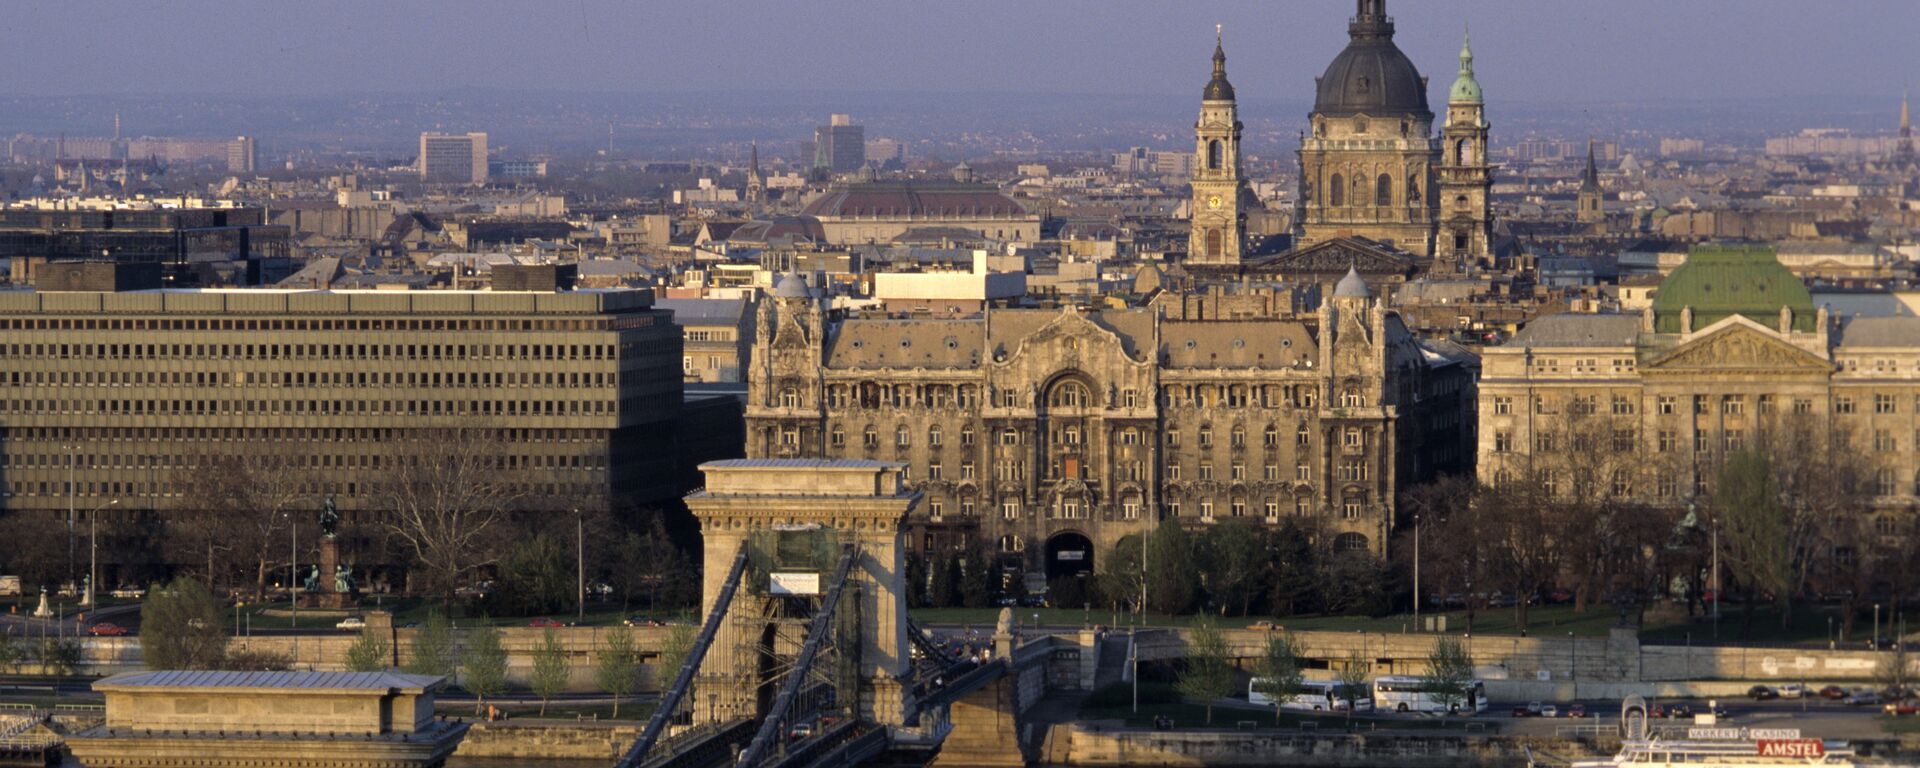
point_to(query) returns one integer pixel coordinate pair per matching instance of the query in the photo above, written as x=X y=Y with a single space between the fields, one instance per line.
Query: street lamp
x=93 y=551
x=1573 y=665
x=70 y=515
x=1416 y=572
x=580 y=563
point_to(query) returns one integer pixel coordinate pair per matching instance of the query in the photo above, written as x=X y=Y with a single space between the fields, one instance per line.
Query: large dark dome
x=1372 y=76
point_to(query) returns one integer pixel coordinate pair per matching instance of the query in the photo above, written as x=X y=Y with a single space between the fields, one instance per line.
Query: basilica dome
x=1371 y=77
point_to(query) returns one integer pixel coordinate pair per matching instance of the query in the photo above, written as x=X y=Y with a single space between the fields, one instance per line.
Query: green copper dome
x=1466 y=90
x=1719 y=281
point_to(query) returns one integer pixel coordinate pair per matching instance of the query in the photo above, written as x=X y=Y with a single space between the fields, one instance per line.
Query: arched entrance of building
x=1069 y=554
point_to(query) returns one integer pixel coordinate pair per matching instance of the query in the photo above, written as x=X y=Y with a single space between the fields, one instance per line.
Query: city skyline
x=1689 y=51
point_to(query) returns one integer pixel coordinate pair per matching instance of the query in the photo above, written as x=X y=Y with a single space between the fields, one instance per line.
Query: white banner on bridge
x=793 y=584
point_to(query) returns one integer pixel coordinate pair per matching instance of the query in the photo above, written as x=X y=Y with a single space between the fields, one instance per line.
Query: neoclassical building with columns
x=1644 y=405
x=1048 y=434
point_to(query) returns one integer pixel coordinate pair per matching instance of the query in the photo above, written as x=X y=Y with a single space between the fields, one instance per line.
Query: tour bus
x=1411 y=694
x=1314 y=696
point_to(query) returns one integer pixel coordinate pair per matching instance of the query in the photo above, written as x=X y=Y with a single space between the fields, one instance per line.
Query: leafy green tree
x=1172 y=581
x=1353 y=583
x=674 y=653
x=1449 y=673
x=369 y=652
x=1753 y=525
x=617 y=668
x=1208 y=674
x=1234 y=565
x=944 y=592
x=537 y=577
x=1119 y=579
x=484 y=665
x=180 y=627
x=1896 y=667
x=433 y=652
x=59 y=655
x=1278 y=671
x=916 y=580
x=550 y=671
x=1354 y=676
x=979 y=583
x=10 y=653
x=1292 y=582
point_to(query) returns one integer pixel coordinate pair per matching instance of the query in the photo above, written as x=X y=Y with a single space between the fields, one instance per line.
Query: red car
x=105 y=629
x=545 y=622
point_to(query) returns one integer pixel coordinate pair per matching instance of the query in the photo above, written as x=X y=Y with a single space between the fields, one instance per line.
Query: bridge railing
x=817 y=632
x=670 y=701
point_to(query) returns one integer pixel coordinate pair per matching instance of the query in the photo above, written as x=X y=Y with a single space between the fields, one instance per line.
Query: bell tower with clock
x=1220 y=195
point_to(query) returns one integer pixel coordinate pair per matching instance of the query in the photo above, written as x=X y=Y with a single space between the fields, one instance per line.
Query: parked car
x=1763 y=693
x=1549 y=711
x=106 y=629
x=1863 y=698
x=1522 y=711
x=1833 y=692
x=1672 y=710
x=1576 y=710
x=545 y=622
x=351 y=622
x=1793 y=691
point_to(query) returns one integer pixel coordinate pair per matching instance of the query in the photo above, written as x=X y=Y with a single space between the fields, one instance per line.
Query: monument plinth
x=330 y=584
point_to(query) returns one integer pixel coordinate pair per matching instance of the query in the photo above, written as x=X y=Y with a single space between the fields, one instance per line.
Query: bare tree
x=445 y=495
x=1453 y=554
x=1524 y=529
x=239 y=509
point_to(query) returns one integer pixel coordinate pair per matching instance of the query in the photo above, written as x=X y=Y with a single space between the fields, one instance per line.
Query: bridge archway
x=1069 y=553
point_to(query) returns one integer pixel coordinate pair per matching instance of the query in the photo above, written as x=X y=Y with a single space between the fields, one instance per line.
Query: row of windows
x=317 y=488
x=1621 y=483
x=34 y=407
x=1068 y=394
x=16 y=435
x=1701 y=405
x=331 y=351
x=203 y=379
x=290 y=461
x=326 y=325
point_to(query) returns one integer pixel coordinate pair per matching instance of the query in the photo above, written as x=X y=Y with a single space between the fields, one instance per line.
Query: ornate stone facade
x=1367 y=163
x=1220 y=194
x=1644 y=406
x=1465 y=241
x=1043 y=432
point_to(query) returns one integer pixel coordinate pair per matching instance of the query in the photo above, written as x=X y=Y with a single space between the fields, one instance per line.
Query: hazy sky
x=1528 y=50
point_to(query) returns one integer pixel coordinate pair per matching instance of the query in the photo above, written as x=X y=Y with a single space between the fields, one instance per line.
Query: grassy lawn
x=558 y=710
x=414 y=610
x=1899 y=725
x=1664 y=625
x=1551 y=619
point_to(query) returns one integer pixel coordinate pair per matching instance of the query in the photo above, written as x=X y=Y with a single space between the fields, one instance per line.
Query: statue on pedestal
x=329 y=520
x=312 y=583
x=343 y=579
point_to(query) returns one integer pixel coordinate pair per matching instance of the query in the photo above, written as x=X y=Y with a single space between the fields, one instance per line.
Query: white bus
x=1410 y=694
x=1314 y=696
